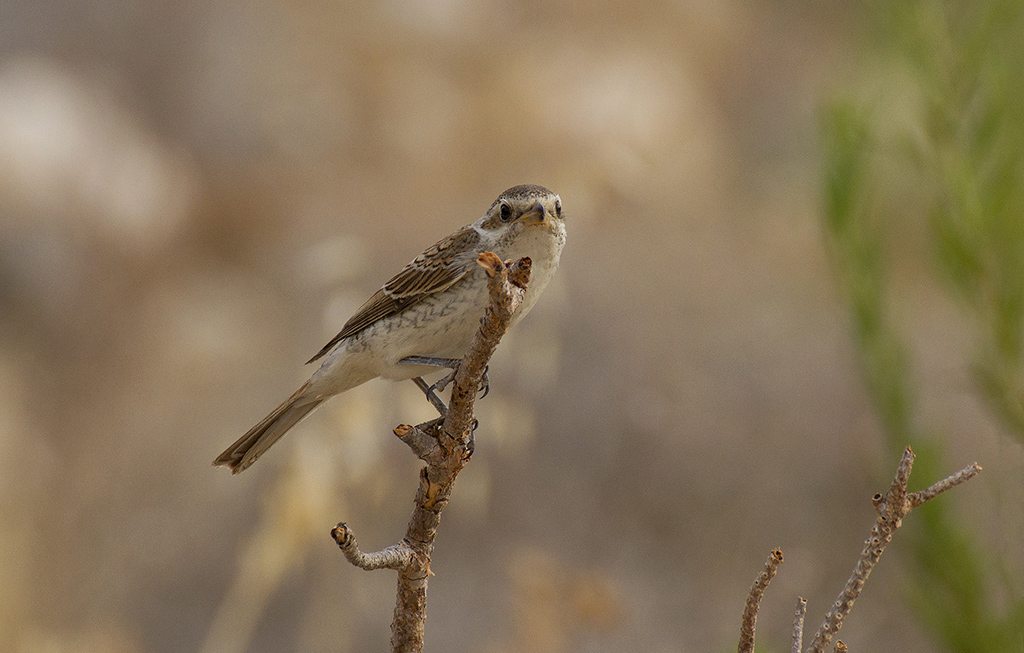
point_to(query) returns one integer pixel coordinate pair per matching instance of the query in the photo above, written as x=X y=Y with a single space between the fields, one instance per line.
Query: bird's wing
x=431 y=272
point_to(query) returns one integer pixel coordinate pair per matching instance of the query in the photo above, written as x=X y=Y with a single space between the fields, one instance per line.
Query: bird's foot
x=428 y=391
x=448 y=363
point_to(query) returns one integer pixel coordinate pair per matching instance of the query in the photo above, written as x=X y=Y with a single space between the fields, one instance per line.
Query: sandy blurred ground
x=195 y=196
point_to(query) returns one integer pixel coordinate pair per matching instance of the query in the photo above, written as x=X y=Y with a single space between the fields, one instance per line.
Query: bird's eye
x=506 y=212
x=558 y=207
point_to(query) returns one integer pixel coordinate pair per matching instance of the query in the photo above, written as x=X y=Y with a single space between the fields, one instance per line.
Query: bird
x=426 y=315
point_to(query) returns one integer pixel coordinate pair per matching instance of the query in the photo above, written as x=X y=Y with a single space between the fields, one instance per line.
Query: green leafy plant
x=934 y=144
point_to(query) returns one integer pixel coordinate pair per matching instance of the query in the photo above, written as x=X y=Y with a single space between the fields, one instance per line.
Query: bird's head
x=523 y=207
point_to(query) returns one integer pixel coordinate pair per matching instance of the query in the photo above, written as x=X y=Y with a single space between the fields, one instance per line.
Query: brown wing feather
x=432 y=271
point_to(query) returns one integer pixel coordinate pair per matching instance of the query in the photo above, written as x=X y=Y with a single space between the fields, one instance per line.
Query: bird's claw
x=485 y=383
x=471 y=444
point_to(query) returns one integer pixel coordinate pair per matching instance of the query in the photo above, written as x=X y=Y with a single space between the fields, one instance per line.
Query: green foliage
x=958 y=152
x=857 y=242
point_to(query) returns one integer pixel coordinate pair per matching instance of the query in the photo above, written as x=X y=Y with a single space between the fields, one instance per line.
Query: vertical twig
x=798 y=624
x=754 y=599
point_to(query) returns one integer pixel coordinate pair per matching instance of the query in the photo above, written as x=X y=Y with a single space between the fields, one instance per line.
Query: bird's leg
x=448 y=363
x=432 y=397
x=433 y=361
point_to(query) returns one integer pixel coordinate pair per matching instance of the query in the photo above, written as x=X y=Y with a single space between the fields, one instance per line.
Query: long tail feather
x=251 y=446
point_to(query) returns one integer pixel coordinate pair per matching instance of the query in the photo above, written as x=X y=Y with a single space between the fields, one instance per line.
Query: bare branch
x=965 y=474
x=754 y=599
x=393 y=557
x=892 y=507
x=798 y=624
x=450 y=455
x=445 y=447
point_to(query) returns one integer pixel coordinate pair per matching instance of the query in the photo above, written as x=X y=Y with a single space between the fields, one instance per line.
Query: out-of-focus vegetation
x=928 y=156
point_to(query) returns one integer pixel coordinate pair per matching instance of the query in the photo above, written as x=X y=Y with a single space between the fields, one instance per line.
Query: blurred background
x=795 y=246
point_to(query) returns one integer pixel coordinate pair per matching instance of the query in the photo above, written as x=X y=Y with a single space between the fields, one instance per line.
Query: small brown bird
x=428 y=312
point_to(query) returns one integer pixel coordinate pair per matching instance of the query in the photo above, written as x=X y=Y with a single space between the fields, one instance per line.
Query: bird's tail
x=251 y=446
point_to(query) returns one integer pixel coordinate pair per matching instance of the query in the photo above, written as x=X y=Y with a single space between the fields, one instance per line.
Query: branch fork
x=891 y=507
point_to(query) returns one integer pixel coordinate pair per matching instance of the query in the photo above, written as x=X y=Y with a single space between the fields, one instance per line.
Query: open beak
x=535 y=215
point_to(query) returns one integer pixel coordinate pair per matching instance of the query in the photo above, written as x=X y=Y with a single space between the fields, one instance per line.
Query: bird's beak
x=535 y=215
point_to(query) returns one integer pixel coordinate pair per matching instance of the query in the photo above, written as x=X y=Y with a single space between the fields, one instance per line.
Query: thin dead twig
x=798 y=624
x=892 y=507
x=393 y=557
x=771 y=566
